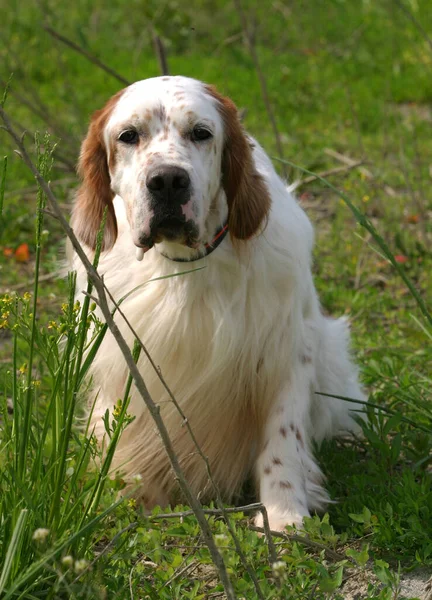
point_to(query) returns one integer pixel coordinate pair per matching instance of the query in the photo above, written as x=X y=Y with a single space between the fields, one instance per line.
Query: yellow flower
x=366 y=198
x=117 y=408
x=26 y=296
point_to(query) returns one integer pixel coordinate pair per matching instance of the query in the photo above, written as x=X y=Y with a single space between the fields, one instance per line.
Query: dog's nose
x=169 y=183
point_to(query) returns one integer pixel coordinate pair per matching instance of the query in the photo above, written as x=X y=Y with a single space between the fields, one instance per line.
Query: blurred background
x=342 y=88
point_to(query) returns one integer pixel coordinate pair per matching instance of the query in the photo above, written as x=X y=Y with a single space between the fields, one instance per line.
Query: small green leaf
x=361 y=557
x=329 y=583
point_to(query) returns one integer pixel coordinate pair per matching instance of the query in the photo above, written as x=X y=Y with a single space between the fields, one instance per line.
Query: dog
x=239 y=337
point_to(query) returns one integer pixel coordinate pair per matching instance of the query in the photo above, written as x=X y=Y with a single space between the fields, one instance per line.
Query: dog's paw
x=279 y=519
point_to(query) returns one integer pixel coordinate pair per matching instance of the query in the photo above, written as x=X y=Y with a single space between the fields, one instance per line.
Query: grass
x=347 y=77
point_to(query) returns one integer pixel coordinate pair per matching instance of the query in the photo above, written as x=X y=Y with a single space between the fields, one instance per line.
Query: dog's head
x=173 y=149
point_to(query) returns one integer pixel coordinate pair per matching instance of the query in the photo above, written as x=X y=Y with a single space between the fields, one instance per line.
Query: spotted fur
x=242 y=343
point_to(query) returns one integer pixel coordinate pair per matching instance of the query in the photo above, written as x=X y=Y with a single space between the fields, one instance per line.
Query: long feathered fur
x=242 y=342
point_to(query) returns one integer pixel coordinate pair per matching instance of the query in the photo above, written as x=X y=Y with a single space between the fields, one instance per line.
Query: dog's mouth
x=171 y=229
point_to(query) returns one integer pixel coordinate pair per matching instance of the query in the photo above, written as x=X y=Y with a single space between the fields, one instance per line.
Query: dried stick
x=189 y=567
x=250 y=508
x=302 y=540
x=59 y=157
x=262 y=79
x=28 y=284
x=154 y=409
x=93 y=59
x=217 y=512
x=105 y=550
x=34 y=188
x=41 y=111
x=351 y=163
x=160 y=52
x=415 y=22
x=334 y=171
x=268 y=534
x=347 y=161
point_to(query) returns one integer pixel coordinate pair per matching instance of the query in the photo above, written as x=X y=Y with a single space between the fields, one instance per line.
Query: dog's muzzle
x=169 y=190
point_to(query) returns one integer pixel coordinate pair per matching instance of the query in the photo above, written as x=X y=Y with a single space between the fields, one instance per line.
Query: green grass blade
x=37 y=566
x=14 y=548
x=98 y=488
x=91 y=354
x=380 y=407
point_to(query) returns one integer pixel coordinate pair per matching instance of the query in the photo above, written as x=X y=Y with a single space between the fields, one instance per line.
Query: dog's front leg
x=286 y=469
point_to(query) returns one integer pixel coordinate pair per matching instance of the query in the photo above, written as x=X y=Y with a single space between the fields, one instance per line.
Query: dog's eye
x=199 y=134
x=130 y=136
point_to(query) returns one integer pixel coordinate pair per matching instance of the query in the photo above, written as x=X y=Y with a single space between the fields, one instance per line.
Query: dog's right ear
x=95 y=192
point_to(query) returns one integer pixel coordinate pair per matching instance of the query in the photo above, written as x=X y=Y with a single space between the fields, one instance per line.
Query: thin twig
x=27 y=284
x=414 y=21
x=70 y=166
x=268 y=534
x=154 y=410
x=347 y=161
x=160 y=52
x=261 y=77
x=353 y=163
x=217 y=512
x=189 y=567
x=330 y=172
x=105 y=550
x=302 y=540
x=93 y=59
x=45 y=116
x=34 y=188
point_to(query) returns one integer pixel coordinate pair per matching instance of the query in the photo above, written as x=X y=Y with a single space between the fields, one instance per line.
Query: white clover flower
x=80 y=565
x=137 y=478
x=39 y=535
x=67 y=561
x=279 y=568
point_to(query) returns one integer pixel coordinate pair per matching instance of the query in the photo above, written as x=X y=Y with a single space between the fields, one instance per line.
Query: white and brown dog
x=242 y=343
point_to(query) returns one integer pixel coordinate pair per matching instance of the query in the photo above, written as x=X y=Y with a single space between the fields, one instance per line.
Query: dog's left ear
x=247 y=194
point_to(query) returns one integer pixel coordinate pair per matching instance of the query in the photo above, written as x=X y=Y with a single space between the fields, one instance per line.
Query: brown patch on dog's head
x=95 y=192
x=247 y=195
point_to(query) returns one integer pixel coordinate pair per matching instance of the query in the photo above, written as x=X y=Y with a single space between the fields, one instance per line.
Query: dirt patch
x=412 y=585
